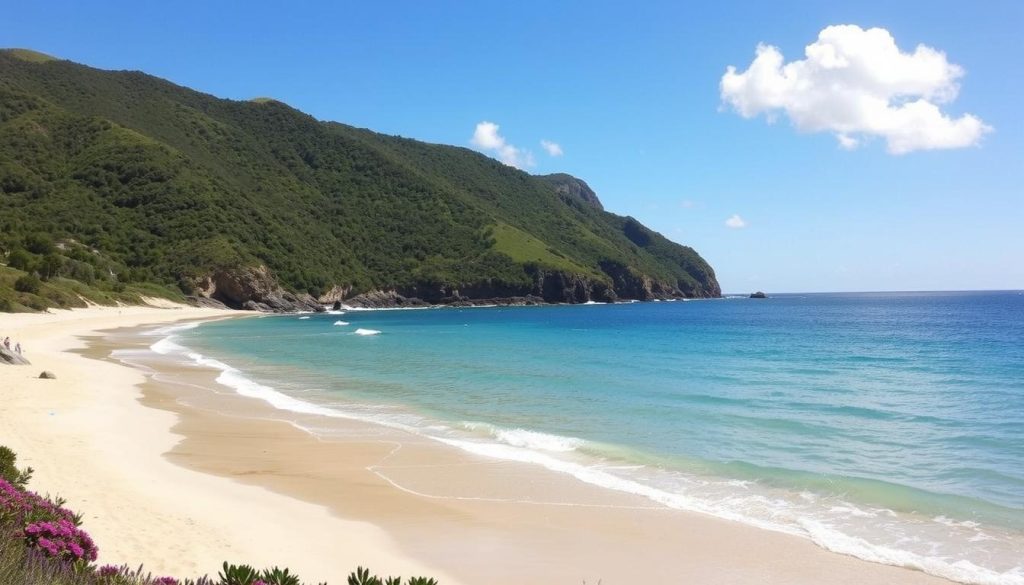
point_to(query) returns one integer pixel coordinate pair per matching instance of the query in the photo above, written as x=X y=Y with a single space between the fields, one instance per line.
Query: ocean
x=887 y=426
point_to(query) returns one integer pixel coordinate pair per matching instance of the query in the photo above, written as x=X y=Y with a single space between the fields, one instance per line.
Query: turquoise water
x=889 y=426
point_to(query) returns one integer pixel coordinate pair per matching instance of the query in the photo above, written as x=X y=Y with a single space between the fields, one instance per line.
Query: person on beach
x=17 y=348
x=7 y=342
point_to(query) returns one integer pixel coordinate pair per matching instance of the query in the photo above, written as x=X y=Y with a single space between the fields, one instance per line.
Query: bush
x=28 y=284
x=39 y=243
x=22 y=260
x=9 y=472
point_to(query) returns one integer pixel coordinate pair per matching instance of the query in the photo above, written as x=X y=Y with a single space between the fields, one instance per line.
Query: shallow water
x=889 y=426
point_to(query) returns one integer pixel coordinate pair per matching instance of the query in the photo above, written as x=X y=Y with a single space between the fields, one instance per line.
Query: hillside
x=118 y=179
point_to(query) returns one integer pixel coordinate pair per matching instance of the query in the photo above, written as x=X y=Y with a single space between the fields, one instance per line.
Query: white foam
x=306 y=317
x=529 y=439
x=961 y=570
x=362 y=331
x=341 y=322
x=953 y=523
x=166 y=346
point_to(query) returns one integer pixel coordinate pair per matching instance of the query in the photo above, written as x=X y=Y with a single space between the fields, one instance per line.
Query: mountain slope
x=238 y=200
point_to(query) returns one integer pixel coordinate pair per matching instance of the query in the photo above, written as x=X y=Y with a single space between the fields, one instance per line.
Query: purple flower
x=167 y=581
x=109 y=571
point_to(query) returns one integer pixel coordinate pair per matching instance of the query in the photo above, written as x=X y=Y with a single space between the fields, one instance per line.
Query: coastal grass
x=524 y=248
x=22 y=291
x=42 y=543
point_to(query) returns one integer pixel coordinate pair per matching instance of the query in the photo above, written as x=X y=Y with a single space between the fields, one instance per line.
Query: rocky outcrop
x=48 y=375
x=572 y=189
x=630 y=284
x=12 y=358
x=254 y=289
x=758 y=295
x=384 y=299
x=335 y=294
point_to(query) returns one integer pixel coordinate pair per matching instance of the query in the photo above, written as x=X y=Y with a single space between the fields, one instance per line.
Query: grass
x=31 y=56
x=66 y=293
x=522 y=247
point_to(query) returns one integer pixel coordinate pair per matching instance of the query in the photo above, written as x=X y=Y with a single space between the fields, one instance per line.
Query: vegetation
x=42 y=543
x=113 y=179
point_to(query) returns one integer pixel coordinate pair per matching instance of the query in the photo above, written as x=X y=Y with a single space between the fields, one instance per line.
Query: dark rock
x=48 y=375
x=378 y=299
x=12 y=358
x=758 y=295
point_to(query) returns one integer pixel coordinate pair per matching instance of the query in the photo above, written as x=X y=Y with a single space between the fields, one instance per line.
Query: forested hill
x=115 y=178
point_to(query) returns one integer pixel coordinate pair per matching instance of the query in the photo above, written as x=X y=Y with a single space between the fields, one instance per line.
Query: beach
x=177 y=472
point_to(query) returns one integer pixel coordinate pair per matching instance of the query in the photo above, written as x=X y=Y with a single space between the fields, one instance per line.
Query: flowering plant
x=24 y=507
x=61 y=539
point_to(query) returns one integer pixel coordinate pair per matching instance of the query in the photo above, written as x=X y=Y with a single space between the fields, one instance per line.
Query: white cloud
x=487 y=138
x=857 y=84
x=735 y=222
x=553 y=148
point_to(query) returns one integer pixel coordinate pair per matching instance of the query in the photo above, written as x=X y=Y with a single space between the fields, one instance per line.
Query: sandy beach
x=179 y=473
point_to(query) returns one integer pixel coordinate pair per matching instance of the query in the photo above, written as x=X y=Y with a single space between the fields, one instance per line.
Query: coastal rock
x=253 y=288
x=12 y=358
x=335 y=294
x=48 y=375
x=378 y=299
x=758 y=295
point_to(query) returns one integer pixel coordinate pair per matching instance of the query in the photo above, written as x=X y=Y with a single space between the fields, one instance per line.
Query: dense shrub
x=28 y=284
x=22 y=260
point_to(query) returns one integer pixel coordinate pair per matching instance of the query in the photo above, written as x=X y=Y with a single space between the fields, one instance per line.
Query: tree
x=51 y=266
x=22 y=260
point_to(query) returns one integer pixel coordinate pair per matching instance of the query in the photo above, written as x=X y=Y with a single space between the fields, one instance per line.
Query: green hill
x=118 y=179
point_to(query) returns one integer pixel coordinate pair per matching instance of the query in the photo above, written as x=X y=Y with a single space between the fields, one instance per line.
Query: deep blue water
x=886 y=425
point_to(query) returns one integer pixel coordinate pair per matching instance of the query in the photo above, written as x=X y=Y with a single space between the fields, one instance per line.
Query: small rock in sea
x=48 y=375
x=758 y=295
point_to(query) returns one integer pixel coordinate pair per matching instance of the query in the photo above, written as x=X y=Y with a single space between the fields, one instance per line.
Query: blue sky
x=632 y=96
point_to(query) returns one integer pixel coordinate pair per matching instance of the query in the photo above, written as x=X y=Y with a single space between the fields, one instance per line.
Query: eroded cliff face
x=256 y=288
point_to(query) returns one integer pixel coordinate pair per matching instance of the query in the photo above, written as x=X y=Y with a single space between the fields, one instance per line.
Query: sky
x=798 y=146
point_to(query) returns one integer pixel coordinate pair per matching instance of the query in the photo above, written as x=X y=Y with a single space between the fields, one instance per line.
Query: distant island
x=118 y=184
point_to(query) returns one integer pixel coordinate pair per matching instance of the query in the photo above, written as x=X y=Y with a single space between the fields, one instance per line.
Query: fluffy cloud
x=735 y=222
x=552 y=148
x=487 y=138
x=857 y=84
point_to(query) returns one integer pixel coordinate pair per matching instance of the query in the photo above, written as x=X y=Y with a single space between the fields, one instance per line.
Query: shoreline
x=420 y=498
